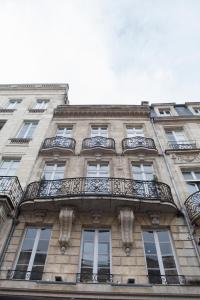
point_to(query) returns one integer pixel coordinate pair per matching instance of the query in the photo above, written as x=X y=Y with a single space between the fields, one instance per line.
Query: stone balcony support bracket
x=66 y=217
x=126 y=219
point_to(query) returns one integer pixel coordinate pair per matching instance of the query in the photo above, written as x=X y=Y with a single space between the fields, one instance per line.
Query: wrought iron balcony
x=101 y=277
x=58 y=143
x=98 y=142
x=192 y=204
x=138 y=144
x=116 y=189
x=11 y=189
x=183 y=145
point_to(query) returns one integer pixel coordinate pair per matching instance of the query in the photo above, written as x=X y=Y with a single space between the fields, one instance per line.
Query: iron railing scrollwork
x=182 y=145
x=98 y=142
x=10 y=187
x=192 y=204
x=101 y=277
x=138 y=142
x=99 y=186
x=59 y=142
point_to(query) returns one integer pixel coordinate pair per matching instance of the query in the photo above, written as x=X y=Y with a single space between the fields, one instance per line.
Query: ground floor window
x=95 y=255
x=160 y=258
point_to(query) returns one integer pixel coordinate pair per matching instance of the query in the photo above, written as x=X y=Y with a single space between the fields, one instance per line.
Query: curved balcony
x=192 y=204
x=58 y=144
x=100 y=193
x=98 y=143
x=10 y=191
x=139 y=144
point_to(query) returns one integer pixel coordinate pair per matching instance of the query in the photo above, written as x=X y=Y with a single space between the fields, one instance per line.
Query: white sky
x=109 y=51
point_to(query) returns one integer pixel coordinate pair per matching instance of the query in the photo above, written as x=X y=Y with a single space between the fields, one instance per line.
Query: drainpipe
x=183 y=210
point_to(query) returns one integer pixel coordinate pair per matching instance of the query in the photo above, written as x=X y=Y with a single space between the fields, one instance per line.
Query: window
x=95 y=256
x=8 y=167
x=27 y=130
x=196 y=110
x=12 y=104
x=41 y=104
x=52 y=172
x=160 y=258
x=192 y=179
x=143 y=171
x=99 y=131
x=134 y=131
x=64 y=131
x=164 y=112
x=95 y=171
x=31 y=260
x=178 y=140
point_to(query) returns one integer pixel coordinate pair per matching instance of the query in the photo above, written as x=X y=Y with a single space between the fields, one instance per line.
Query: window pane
x=104 y=236
x=20 y=272
x=36 y=273
x=28 y=245
x=42 y=246
x=163 y=236
x=45 y=233
x=31 y=233
x=154 y=276
x=39 y=259
x=103 y=248
x=165 y=248
x=88 y=235
x=152 y=261
x=187 y=175
x=88 y=247
x=168 y=262
x=148 y=236
x=150 y=248
x=24 y=258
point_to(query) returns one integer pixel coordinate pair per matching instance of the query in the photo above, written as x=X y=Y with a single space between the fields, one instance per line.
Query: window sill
x=7 y=110
x=20 y=140
x=36 y=110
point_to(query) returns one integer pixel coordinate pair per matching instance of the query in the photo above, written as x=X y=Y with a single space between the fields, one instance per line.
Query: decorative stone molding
x=155 y=219
x=66 y=218
x=126 y=218
x=192 y=157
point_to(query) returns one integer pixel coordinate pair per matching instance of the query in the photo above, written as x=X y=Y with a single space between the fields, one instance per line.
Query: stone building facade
x=101 y=211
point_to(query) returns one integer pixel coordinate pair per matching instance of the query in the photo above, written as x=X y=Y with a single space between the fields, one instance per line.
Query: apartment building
x=100 y=213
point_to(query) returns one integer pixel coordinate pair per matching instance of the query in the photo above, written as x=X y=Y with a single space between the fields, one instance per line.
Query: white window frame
x=194 y=108
x=34 y=249
x=11 y=162
x=12 y=104
x=194 y=180
x=41 y=104
x=176 y=136
x=98 y=168
x=159 y=254
x=143 y=173
x=67 y=131
x=31 y=123
x=95 y=255
x=135 y=131
x=54 y=169
x=100 y=131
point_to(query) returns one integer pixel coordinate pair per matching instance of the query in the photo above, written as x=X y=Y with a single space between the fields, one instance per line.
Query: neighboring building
x=102 y=214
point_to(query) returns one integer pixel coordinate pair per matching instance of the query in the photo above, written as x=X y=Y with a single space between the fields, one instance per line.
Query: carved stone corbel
x=126 y=218
x=66 y=218
x=155 y=219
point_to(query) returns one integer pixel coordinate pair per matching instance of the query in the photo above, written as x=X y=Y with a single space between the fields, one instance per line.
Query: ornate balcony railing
x=59 y=142
x=11 y=188
x=101 y=278
x=99 y=186
x=138 y=142
x=98 y=142
x=192 y=204
x=183 y=145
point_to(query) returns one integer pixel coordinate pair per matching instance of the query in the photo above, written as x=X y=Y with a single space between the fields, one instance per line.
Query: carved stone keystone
x=126 y=218
x=66 y=218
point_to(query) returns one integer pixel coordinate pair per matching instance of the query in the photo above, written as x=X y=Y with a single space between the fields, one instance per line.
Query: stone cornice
x=173 y=119
x=36 y=86
x=101 y=110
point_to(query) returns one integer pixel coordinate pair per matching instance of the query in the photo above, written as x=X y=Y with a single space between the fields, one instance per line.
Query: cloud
x=121 y=51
